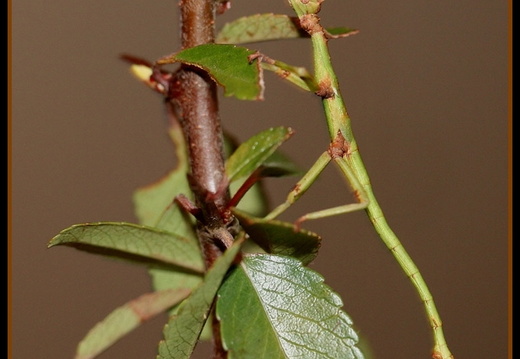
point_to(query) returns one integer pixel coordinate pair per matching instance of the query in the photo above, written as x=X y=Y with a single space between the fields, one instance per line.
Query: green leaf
x=125 y=319
x=177 y=220
x=267 y=27
x=255 y=200
x=255 y=151
x=272 y=307
x=154 y=206
x=259 y=27
x=183 y=329
x=279 y=165
x=280 y=238
x=229 y=65
x=132 y=242
x=153 y=201
x=163 y=279
x=336 y=32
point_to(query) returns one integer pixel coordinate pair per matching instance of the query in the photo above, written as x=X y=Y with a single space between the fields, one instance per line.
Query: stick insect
x=343 y=151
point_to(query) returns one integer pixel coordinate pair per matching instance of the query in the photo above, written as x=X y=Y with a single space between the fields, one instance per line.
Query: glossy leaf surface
x=272 y=307
x=255 y=151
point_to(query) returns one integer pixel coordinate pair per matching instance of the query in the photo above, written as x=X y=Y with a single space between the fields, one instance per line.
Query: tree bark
x=193 y=99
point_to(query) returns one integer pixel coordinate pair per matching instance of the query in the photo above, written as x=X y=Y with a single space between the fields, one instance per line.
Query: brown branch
x=193 y=100
x=197 y=95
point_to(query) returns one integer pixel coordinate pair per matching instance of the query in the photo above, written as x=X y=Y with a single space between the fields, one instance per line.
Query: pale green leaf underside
x=154 y=203
x=272 y=307
x=132 y=242
x=259 y=27
x=167 y=279
x=228 y=65
x=253 y=152
x=154 y=206
x=183 y=329
x=267 y=27
x=126 y=318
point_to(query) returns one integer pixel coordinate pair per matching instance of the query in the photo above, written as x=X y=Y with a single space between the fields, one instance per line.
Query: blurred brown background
x=426 y=85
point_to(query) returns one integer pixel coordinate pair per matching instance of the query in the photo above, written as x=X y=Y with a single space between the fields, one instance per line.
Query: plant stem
x=193 y=99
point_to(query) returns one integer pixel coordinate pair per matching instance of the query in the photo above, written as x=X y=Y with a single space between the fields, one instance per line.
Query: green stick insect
x=344 y=152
